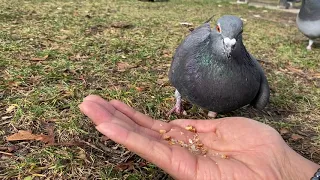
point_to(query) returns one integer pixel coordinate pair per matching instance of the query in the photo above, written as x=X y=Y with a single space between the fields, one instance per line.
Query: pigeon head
x=230 y=29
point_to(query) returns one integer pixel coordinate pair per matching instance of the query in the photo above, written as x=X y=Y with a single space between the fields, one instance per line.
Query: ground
x=56 y=52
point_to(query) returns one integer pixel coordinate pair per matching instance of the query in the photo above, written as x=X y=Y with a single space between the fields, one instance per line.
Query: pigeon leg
x=212 y=114
x=178 y=106
x=310 y=44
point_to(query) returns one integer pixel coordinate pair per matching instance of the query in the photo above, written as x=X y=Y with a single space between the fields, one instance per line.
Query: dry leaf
x=104 y=138
x=295 y=70
x=22 y=135
x=296 y=137
x=121 y=25
x=163 y=81
x=125 y=166
x=27 y=135
x=10 y=108
x=284 y=131
x=39 y=58
x=166 y=53
x=78 y=57
x=316 y=75
x=122 y=66
x=140 y=89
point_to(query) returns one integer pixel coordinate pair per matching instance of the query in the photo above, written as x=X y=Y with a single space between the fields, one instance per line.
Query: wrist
x=297 y=167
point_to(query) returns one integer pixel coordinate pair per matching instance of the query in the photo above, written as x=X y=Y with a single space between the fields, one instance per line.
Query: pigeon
x=308 y=20
x=212 y=69
x=288 y=3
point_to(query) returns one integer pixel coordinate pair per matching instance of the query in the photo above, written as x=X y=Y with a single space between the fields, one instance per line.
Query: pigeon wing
x=262 y=98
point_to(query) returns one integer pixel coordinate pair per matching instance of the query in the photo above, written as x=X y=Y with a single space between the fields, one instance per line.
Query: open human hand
x=235 y=148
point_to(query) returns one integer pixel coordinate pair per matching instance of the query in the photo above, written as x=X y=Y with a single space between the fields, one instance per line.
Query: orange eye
x=218 y=28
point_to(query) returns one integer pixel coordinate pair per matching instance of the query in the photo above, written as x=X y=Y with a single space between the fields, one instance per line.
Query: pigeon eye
x=218 y=28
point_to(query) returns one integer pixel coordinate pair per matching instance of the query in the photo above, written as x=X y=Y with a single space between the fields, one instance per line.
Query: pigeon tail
x=262 y=98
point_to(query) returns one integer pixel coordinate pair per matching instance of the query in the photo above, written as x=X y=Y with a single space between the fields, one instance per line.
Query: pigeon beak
x=229 y=43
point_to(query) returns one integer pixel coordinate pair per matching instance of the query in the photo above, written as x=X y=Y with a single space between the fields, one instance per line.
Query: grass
x=89 y=54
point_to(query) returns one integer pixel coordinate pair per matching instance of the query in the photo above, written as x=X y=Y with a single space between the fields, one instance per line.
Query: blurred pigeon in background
x=308 y=20
x=288 y=3
x=211 y=68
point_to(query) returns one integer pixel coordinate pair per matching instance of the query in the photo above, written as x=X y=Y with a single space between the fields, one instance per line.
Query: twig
x=107 y=149
x=5 y=153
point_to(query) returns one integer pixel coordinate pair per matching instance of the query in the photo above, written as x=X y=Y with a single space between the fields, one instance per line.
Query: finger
x=107 y=106
x=140 y=118
x=174 y=160
x=100 y=115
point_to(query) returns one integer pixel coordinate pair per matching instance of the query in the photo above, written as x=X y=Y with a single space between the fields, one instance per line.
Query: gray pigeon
x=308 y=20
x=287 y=3
x=211 y=68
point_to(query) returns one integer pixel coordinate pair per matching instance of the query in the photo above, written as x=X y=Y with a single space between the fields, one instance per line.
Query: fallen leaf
x=27 y=135
x=316 y=75
x=39 y=58
x=123 y=66
x=78 y=57
x=50 y=137
x=122 y=25
x=295 y=70
x=12 y=148
x=186 y=24
x=163 y=81
x=11 y=108
x=284 y=131
x=104 y=138
x=140 y=89
x=22 y=135
x=125 y=166
x=141 y=164
x=166 y=53
x=296 y=137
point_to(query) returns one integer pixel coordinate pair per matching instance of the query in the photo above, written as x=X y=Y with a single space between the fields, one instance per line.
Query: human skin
x=254 y=150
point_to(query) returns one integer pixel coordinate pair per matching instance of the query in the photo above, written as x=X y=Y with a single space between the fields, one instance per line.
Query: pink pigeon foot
x=178 y=107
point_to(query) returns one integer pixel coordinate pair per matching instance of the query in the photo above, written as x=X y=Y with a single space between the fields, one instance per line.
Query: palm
x=240 y=155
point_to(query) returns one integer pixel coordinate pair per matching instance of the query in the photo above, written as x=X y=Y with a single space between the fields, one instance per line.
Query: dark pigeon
x=308 y=20
x=288 y=3
x=211 y=68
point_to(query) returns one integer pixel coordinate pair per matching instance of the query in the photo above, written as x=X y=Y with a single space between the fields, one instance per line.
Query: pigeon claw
x=309 y=48
x=212 y=114
x=177 y=109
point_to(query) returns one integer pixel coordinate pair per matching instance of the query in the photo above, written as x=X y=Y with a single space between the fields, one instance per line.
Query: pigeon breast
x=308 y=19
